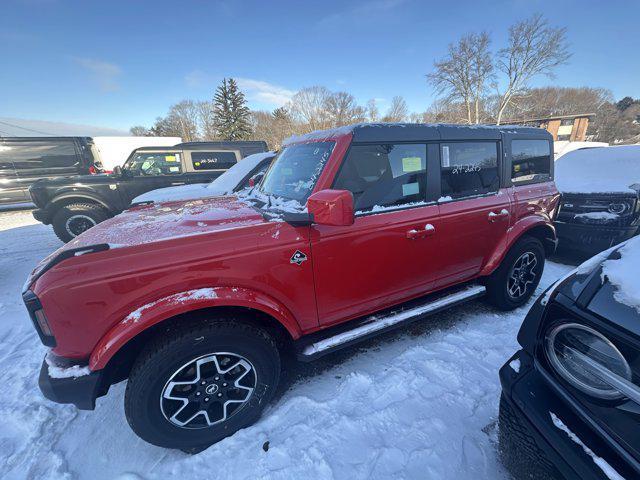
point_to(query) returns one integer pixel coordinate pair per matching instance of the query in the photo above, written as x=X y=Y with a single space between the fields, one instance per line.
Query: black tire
x=152 y=416
x=498 y=283
x=518 y=451
x=71 y=220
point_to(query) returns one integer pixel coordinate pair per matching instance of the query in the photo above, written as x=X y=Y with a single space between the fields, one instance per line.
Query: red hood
x=163 y=221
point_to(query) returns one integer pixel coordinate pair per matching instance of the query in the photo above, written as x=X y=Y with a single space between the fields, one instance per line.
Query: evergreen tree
x=231 y=116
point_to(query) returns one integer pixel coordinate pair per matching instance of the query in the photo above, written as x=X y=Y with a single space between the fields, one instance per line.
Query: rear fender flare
x=170 y=306
x=514 y=233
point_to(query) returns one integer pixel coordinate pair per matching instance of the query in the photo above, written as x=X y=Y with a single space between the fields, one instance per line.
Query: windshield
x=296 y=169
x=151 y=163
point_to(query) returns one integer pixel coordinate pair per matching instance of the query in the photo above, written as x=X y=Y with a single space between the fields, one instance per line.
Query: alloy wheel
x=522 y=274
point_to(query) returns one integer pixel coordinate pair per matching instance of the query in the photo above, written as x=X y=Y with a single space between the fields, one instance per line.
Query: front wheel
x=518 y=276
x=201 y=384
x=73 y=219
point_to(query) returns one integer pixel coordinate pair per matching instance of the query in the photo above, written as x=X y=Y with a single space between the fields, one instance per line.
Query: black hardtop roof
x=246 y=148
x=420 y=132
x=426 y=131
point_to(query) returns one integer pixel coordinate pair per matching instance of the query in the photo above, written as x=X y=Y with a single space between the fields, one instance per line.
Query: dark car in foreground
x=74 y=204
x=600 y=191
x=570 y=405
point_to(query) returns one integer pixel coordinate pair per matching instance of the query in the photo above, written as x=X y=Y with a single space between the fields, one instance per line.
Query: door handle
x=494 y=217
x=427 y=232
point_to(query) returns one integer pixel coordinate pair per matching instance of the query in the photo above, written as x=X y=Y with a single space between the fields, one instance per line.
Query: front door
x=388 y=255
x=148 y=170
x=474 y=211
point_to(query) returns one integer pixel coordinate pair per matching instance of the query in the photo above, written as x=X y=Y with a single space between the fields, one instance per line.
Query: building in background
x=572 y=128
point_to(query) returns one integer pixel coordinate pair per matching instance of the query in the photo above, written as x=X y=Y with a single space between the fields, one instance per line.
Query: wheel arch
x=69 y=198
x=117 y=349
x=544 y=231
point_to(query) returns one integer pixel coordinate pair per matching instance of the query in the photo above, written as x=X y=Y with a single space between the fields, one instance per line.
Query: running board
x=377 y=323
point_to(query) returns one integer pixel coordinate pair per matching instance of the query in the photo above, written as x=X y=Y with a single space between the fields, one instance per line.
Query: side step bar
x=378 y=323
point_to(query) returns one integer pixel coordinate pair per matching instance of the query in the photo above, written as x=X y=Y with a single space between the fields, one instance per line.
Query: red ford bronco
x=351 y=232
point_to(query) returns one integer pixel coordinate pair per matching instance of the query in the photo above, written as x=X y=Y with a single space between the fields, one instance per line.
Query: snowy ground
x=419 y=403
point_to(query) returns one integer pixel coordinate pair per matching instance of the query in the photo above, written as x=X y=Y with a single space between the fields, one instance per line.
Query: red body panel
x=160 y=253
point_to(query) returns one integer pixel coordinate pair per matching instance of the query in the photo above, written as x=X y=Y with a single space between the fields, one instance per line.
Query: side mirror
x=117 y=170
x=256 y=179
x=331 y=207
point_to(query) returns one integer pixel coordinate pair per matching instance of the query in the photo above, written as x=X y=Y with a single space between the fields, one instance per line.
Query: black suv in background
x=75 y=204
x=23 y=160
x=570 y=405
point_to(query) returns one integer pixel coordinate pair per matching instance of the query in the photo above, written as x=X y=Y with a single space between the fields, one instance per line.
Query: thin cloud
x=265 y=92
x=359 y=13
x=105 y=74
x=198 y=79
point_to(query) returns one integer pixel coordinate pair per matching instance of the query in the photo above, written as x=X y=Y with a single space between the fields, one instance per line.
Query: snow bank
x=222 y=185
x=607 y=469
x=599 y=170
x=623 y=274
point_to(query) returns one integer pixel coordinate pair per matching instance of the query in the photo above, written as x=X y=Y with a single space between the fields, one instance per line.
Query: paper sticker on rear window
x=174 y=169
x=411 y=164
x=410 y=189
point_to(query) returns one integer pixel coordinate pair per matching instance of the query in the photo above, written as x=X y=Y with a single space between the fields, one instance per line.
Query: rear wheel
x=73 y=219
x=518 y=276
x=201 y=384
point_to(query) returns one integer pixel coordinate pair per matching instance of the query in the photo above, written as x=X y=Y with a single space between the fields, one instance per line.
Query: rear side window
x=213 y=160
x=35 y=155
x=384 y=175
x=531 y=160
x=469 y=168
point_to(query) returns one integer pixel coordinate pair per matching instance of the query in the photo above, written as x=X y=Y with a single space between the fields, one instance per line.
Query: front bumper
x=592 y=238
x=534 y=395
x=80 y=391
x=42 y=216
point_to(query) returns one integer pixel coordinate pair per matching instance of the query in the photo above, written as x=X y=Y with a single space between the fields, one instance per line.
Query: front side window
x=153 y=164
x=213 y=160
x=531 y=160
x=469 y=168
x=295 y=171
x=42 y=154
x=384 y=175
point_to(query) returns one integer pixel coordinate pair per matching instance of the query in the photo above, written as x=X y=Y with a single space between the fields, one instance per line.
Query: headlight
x=587 y=360
x=618 y=208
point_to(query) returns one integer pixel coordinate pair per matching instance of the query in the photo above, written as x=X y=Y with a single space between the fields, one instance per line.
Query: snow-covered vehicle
x=571 y=396
x=350 y=233
x=242 y=175
x=600 y=191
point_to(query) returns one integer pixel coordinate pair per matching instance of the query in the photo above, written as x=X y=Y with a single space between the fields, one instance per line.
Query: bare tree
x=464 y=72
x=308 y=107
x=373 y=114
x=398 y=111
x=139 y=131
x=341 y=108
x=206 y=120
x=273 y=127
x=534 y=49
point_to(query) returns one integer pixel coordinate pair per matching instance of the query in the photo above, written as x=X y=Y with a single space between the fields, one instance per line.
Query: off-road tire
x=184 y=343
x=518 y=451
x=90 y=210
x=497 y=282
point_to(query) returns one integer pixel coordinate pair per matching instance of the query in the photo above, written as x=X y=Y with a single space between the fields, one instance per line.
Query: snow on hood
x=599 y=170
x=623 y=273
x=170 y=220
x=222 y=185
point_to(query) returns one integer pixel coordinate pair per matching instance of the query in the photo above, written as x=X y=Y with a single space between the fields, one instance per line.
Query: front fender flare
x=183 y=302
x=80 y=195
x=513 y=234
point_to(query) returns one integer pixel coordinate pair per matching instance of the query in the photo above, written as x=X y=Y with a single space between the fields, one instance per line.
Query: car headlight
x=618 y=208
x=589 y=361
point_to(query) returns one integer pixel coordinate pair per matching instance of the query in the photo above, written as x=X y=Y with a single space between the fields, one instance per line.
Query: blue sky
x=119 y=63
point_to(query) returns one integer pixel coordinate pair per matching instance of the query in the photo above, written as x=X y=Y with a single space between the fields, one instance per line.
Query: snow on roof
x=599 y=170
x=623 y=273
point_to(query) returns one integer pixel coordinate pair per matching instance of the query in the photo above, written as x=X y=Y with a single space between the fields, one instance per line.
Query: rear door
x=474 y=210
x=389 y=254
x=10 y=189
